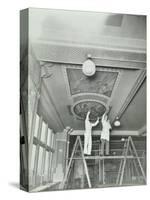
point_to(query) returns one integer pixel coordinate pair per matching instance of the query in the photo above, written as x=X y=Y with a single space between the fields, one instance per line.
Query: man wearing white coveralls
x=87 y=134
x=105 y=134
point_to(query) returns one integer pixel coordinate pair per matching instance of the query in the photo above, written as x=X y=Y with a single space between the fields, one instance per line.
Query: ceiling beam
x=76 y=54
x=116 y=43
x=132 y=93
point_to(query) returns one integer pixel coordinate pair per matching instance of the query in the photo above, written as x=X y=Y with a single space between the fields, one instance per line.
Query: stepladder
x=69 y=168
x=130 y=150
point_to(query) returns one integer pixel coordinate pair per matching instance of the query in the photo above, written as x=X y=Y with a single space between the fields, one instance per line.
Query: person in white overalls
x=105 y=134
x=87 y=134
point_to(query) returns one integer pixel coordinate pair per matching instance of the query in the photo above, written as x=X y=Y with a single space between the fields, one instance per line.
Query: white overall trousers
x=105 y=135
x=88 y=136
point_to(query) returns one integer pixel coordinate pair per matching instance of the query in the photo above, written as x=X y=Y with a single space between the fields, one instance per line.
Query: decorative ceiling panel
x=101 y=83
x=96 y=108
x=90 y=96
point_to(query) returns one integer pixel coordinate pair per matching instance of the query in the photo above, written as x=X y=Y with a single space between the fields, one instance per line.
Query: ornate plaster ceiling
x=61 y=108
x=84 y=90
x=97 y=109
x=64 y=40
x=101 y=83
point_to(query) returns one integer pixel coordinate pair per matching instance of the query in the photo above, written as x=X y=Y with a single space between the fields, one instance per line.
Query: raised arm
x=87 y=115
x=103 y=117
x=97 y=121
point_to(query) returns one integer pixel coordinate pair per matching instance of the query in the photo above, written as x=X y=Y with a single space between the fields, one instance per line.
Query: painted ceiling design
x=96 y=108
x=71 y=109
x=119 y=41
x=101 y=83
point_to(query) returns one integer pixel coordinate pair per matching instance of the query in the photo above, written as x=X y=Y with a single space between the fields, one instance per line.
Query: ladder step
x=77 y=144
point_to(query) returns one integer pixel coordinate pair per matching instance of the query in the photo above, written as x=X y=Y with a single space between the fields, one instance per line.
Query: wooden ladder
x=71 y=161
x=129 y=147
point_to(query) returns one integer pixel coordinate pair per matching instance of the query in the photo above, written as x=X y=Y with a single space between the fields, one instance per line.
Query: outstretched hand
x=87 y=115
x=104 y=114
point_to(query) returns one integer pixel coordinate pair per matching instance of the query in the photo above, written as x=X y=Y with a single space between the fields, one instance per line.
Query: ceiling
x=62 y=39
x=57 y=102
x=91 y=28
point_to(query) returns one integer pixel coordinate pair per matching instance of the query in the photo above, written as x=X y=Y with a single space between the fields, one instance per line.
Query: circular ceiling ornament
x=96 y=108
x=88 y=67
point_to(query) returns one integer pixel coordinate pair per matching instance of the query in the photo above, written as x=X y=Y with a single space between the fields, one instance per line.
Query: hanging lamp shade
x=88 y=67
x=117 y=122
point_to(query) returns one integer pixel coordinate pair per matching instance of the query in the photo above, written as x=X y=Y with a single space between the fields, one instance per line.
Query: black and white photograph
x=82 y=99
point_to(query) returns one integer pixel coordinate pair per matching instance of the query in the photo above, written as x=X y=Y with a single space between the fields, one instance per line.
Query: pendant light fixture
x=88 y=67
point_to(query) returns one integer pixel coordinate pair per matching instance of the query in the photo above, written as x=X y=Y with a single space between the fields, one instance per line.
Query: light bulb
x=117 y=122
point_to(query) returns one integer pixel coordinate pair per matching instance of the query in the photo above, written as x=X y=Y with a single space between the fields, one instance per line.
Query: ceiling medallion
x=96 y=108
